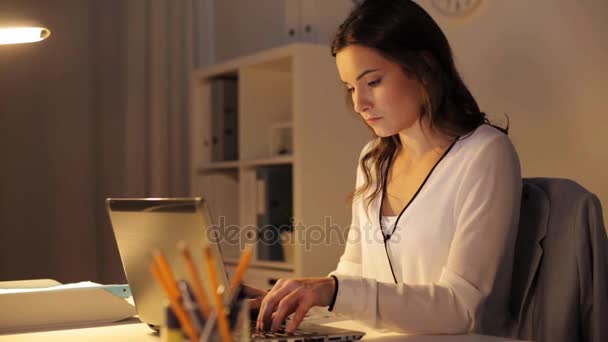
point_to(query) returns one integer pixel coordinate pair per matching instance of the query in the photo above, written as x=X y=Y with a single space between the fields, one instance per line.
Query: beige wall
x=46 y=145
x=545 y=63
x=60 y=142
x=97 y=110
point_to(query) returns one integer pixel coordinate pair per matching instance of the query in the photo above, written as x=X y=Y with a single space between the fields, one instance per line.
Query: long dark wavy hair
x=403 y=32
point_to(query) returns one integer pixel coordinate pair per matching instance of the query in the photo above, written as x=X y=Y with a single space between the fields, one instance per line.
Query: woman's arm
x=299 y=295
x=350 y=261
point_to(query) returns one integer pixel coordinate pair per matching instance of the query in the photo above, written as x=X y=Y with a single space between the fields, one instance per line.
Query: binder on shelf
x=274 y=210
x=224 y=119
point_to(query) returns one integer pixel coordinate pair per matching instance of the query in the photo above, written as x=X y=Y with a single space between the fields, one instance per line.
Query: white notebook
x=48 y=304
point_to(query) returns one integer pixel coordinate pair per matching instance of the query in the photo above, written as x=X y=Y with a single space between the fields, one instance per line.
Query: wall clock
x=455 y=8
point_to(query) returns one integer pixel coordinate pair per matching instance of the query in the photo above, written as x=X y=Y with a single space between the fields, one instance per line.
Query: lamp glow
x=18 y=35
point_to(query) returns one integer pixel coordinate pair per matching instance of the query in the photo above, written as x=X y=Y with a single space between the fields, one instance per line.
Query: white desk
x=133 y=330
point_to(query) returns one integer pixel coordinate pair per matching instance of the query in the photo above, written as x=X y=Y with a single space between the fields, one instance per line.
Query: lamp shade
x=23 y=34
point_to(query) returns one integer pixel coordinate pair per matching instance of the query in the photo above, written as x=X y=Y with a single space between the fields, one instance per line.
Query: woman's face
x=382 y=93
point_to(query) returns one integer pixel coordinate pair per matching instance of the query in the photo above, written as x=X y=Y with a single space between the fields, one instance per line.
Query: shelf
x=278 y=125
x=235 y=164
x=218 y=166
x=280 y=160
x=274 y=265
x=278 y=58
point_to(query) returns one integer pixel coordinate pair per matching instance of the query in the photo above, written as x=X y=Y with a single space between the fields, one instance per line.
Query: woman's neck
x=419 y=142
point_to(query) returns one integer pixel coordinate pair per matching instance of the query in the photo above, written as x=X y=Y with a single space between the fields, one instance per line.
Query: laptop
x=142 y=225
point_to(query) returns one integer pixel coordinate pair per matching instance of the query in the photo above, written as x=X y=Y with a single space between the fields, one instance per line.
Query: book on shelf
x=275 y=210
x=224 y=119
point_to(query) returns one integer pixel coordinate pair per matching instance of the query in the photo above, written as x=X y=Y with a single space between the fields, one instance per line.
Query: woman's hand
x=293 y=295
x=254 y=295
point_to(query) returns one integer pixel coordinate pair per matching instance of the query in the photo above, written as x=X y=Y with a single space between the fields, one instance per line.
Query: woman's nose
x=361 y=101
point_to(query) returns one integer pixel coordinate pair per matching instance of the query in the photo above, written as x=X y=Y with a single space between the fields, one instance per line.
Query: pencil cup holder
x=241 y=332
x=240 y=325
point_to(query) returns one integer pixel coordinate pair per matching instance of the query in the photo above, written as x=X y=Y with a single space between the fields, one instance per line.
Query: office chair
x=560 y=273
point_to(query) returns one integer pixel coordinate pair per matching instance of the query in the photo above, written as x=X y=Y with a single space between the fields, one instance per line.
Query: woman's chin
x=382 y=133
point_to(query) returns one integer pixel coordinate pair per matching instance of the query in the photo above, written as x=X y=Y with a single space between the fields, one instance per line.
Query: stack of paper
x=47 y=304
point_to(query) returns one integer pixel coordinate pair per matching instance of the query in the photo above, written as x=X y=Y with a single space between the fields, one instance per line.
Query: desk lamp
x=22 y=33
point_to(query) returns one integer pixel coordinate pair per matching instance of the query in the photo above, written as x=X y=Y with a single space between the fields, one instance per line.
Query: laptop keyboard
x=255 y=333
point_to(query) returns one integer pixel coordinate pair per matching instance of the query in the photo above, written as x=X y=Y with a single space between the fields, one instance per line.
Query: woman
x=436 y=205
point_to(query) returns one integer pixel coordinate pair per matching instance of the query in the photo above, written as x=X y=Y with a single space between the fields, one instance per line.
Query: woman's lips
x=371 y=121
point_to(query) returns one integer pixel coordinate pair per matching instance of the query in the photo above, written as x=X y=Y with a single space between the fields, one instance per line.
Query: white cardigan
x=452 y=251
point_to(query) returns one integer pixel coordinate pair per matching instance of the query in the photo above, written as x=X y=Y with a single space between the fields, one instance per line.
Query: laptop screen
x=143 y=225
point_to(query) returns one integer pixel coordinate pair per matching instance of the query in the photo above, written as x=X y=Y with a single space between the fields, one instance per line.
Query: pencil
x=240 y=269
x=201 y=297
x=166 y=273
x=219 y=303
x=179 y=311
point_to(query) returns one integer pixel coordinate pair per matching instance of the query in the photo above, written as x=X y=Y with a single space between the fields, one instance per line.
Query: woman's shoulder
x=484 y=146
x=485 y=138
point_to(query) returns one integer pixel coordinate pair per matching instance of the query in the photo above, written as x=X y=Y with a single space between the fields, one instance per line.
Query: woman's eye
x=374 y=83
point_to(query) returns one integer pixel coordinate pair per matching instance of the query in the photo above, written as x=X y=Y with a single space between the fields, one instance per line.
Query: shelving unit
x=298 y=145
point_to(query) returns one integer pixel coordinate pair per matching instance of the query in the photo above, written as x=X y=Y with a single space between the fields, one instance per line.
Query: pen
x=191 y=306
x=179 y=311
x=208 y=329
x=196 y=280
x=219 y=303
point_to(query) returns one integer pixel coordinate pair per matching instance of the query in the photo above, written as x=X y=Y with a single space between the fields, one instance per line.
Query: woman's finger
x=298 y=317
x=269 y=303
x=262 y=308
x=286 y=306
x=252 y=292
